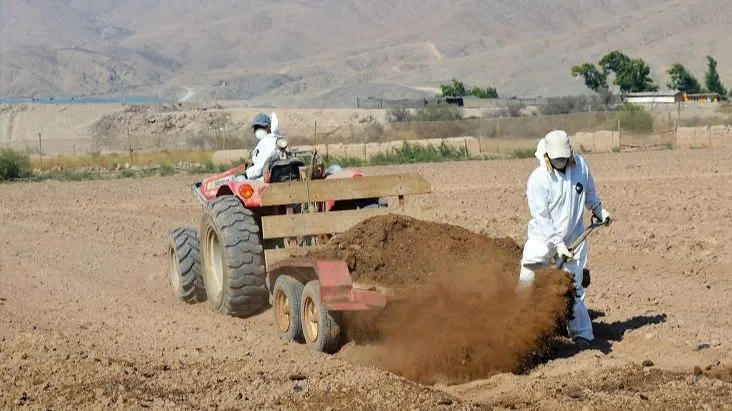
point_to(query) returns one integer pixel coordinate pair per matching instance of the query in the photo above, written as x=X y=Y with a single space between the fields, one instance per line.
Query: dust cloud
x=456 y=315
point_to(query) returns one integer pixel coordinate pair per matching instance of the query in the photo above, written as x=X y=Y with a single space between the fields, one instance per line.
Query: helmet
x=557 y=144
x=261 y=120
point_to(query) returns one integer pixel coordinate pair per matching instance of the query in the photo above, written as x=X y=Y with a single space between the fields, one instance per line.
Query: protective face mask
x=559 y=163
x=260 y=133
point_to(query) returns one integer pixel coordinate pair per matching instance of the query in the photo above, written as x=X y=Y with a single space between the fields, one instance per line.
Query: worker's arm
x=592 y=201
x=259 y=156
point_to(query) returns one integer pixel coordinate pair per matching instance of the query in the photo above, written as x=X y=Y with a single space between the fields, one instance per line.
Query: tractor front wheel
x=320 y=327
x=232 y=258
x=185 y=266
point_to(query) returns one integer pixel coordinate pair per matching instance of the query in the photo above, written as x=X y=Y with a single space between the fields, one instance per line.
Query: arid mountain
x=327 y=52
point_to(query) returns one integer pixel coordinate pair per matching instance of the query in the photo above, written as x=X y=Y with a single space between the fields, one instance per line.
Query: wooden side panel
x=345 y=189
x=331 y=222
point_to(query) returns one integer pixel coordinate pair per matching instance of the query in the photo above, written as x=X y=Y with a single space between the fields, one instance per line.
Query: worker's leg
x=581 y=324
x=535 y=252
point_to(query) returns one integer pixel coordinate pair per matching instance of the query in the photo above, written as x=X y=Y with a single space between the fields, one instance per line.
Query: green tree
x=631 y=75
x=595 y=79
x=635 y=77
x=454 y=89
x=711 y=79
x=488 y=92
x=614 y=61
x=457 y=89
x=682 y=80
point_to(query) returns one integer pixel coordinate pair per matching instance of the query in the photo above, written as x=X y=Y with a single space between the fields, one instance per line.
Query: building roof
x=703 y=95
x=655 y=94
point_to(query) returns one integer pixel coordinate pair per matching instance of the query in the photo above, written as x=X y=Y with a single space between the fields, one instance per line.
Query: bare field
x=87 y=319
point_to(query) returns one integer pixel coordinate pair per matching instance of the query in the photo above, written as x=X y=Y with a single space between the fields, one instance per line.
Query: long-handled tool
x=595 y=223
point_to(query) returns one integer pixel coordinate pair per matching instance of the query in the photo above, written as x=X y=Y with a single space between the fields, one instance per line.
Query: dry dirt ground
x=87 y=319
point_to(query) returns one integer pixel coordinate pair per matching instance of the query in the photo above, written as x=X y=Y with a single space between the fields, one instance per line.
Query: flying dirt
x=455 y=314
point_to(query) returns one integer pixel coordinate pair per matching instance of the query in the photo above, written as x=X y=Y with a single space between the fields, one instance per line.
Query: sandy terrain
x=87 y=319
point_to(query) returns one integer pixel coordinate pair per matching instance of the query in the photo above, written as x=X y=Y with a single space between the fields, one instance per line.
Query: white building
x=666 y=97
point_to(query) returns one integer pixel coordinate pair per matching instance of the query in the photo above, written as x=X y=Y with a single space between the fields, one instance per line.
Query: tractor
x=248 y=252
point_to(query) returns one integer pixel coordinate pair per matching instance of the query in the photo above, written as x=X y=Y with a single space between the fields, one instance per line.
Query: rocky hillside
x=325 y=53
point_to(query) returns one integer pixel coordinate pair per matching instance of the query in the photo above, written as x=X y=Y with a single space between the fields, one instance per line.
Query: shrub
x=167 y=170
x=563 y=105
x=14 y=164
x=634 y=118
x=515 y=107
x=398 y=115
x=438 y=112
x=523 y=153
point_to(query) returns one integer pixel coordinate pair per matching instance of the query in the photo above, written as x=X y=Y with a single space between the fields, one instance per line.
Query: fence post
x=498 y=135
x=129 y=139
x=40 y=149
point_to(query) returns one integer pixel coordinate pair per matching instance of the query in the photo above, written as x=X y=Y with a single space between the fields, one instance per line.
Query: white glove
x=563 y=251
x=602 y=214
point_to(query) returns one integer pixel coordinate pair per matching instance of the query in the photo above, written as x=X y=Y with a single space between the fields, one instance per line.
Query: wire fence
x=638 y=125
x=676 y=126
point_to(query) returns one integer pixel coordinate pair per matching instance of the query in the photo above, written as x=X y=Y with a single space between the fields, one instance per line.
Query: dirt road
x=87 y=320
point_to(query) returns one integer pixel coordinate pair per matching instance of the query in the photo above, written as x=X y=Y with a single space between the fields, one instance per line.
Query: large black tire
x=185 y=276
x=321 y=328
x=232 y=258
x=286 y=307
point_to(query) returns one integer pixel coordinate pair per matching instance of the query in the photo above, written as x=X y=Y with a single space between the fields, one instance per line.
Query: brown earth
x=87 y=318
x=397 y=250
x=449 y=280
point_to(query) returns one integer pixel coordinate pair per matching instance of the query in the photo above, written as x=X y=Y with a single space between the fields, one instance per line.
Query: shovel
x=595 y=223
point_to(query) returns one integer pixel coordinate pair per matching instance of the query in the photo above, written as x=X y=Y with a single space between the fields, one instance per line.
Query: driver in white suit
x=266 y=130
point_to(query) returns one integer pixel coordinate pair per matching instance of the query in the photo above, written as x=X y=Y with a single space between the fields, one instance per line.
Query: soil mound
x=458 y=316
x=396 y=250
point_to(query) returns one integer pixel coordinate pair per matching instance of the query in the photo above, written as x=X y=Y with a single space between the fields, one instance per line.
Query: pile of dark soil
x=396 y=250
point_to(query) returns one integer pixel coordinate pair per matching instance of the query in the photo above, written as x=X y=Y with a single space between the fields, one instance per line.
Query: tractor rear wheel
x=185 y=266
x=320 y=328
x=232 y=258
x=286 y=298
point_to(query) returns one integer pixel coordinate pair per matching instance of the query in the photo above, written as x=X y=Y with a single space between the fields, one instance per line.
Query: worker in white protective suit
x=557 y=191
x=266 y=130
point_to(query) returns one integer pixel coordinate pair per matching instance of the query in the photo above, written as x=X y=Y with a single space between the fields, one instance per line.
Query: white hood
x=275 y=124
x=540 y=150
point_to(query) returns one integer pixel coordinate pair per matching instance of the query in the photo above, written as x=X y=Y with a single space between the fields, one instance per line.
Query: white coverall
x=264 y=150
x=266 y=147
x=556 y=203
